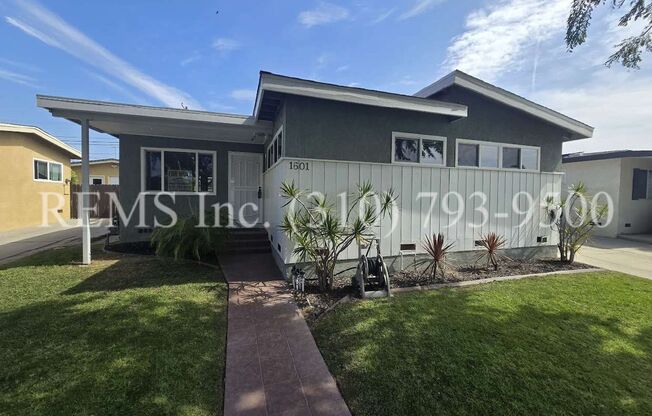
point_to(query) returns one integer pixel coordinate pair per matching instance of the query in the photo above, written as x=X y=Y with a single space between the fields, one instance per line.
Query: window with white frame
x=642 y=184
x=45 y=170
x=479 y=154
x=417 y=148
x=175 y=170
x=274 y=149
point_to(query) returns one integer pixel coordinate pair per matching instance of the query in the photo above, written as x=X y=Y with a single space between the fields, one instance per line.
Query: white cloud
x=383 y=16
x=226 y=44
x=20 y=65
x=192 y=58
x=54 y=31
x=342 y=68
x=500 y=37
x=618 y=106
x=421 y=6
x=323 y=14
x=243 y=95
x=17 y=78
x=116 y=87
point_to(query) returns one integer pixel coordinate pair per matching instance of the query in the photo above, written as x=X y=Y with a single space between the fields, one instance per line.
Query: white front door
x=245 y=183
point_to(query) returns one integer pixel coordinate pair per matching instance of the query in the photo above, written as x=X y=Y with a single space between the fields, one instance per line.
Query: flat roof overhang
x=129 y=119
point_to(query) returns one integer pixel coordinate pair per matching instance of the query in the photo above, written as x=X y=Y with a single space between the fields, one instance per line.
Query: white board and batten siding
x=420 y=217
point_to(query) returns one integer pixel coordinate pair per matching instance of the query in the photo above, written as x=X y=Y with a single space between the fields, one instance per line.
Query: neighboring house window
x=96 y=180
x=274 y=150
x=182 y=171
x=114 y=180
x=48 y=171
x=417 y=148
x=479 y=154
x=642 y=184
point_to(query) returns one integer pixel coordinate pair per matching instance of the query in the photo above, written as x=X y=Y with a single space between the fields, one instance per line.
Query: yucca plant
x=574 y=219
x=185 y=240
x=491 y=243
x=437 y=250
x=320 y=233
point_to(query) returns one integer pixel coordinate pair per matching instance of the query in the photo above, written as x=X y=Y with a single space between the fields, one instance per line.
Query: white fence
x=507 y=201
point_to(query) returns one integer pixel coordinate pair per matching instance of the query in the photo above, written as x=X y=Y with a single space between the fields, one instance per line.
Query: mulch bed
x=313 y=303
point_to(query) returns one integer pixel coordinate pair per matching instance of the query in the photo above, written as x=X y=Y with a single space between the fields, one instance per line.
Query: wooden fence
x=100 y=201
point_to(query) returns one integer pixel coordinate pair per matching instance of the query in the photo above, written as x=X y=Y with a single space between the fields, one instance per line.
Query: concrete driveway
x=24 y=242
x=624 y=256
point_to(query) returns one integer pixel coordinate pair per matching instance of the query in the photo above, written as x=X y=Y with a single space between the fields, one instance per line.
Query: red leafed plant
x=491 y=242
x=437 y=250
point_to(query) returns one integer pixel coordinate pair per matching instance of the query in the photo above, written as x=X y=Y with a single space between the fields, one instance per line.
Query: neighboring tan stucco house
x=102 y=171
x=459 y=135
x=626 y=176
x=31 y=162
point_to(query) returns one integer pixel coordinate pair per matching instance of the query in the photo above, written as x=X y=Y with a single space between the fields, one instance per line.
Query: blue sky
x=166 y=53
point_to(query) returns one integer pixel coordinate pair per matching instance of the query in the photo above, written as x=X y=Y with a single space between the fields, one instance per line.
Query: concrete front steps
x=247 y=241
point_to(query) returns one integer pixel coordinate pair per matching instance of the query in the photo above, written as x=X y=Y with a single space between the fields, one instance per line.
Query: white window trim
x=271 y=144
x=48 y=163
x=91 y=177
x=500 y=155
x=143 y=150
x=420 y=137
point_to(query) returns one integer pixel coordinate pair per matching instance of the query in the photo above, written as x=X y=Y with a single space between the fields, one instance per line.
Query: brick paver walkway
x=273 y=366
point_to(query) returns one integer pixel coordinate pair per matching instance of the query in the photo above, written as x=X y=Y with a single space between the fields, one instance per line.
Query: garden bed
x=313 y=304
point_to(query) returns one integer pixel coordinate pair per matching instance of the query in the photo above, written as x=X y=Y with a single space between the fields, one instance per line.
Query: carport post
x=85 y=181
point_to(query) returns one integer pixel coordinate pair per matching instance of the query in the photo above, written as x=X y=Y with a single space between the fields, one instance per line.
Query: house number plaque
x=296 y=165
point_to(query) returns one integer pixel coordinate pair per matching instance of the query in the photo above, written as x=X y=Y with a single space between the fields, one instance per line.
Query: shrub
x=574 y=220
x=437 y=250
x=185 y=240
x=491 y=243
x=320 y=234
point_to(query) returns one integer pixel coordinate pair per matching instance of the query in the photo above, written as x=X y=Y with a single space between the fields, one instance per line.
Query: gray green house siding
x=130 y=177
x=322 y=129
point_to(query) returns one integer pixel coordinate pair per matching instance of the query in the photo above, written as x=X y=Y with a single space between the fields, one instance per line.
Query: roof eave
x=577 y=129
x=314 y=89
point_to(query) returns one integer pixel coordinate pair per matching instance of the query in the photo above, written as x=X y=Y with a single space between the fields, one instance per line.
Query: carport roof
x=131 y=119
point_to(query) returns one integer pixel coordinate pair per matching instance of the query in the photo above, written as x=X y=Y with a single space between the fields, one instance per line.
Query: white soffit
x=508 y=98
x=297 y=86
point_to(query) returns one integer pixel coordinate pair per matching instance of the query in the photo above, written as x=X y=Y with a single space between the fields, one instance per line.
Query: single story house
x=31 y=162
x=626 y=176
x=459 y=134
x=102 y=171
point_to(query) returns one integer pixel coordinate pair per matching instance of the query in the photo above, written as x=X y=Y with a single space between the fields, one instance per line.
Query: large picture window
x=479 y=154
x=179 y=171
x=48 y=171
x=416 y=148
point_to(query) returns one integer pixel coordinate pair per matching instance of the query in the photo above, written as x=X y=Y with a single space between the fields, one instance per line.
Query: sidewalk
x=16 y=244
x=273 y=366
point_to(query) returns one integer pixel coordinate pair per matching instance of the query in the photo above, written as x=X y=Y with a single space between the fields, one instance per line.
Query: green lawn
x=574 y=344
x=129 y=335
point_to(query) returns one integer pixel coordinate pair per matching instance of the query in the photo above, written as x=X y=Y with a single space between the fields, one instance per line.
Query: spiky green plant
x=491 y=243
x=437 y=250
x=574 y=220
x=320 y=233
x=185 y=240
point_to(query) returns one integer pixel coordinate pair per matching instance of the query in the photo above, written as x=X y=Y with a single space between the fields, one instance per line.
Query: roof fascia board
x=271 y=82
x=15 y=128
x=88 y=107
x=507 y=98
